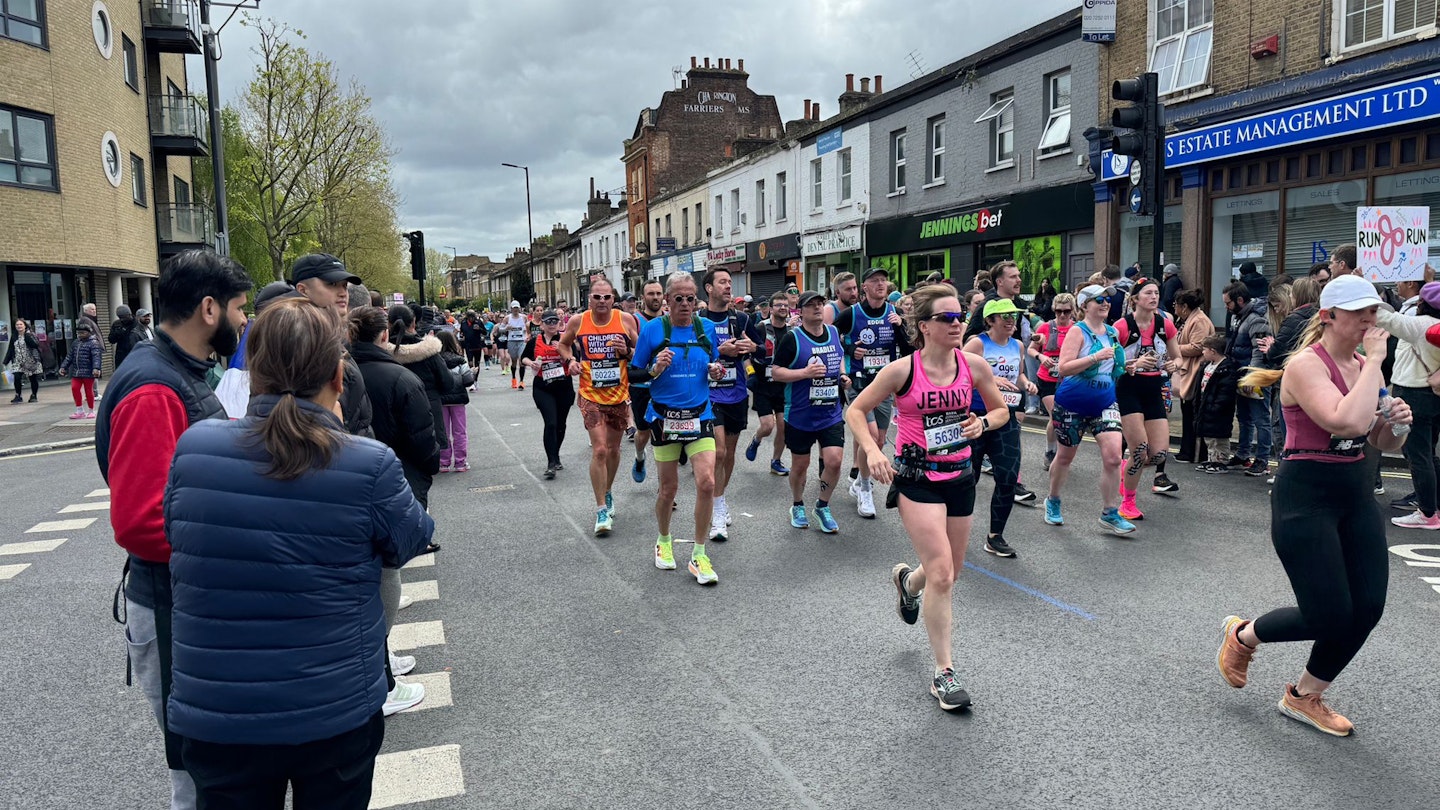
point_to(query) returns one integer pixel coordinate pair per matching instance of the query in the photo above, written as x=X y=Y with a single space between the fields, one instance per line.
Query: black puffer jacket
x=355 y=402
x=401 y=413
x=1215 y=418
x=458 y=395
x=422 y=357
x=125 y=337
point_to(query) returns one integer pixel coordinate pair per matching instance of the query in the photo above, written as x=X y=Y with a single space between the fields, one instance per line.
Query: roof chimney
x=707 y=62
x=692 y=62
x=849 y=82
x=742 y=65
x=878 y=77
x=865 y=84
x=807 y=110
x=815 y=112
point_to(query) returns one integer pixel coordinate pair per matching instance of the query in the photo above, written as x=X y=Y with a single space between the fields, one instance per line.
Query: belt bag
x=679 y=424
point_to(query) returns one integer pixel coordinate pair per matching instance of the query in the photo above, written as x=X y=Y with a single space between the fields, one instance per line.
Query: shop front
x=48 y=300
x=1048 y=232
x=772 y=264
x=686 y=261
x=730 y=257
x=828 y=253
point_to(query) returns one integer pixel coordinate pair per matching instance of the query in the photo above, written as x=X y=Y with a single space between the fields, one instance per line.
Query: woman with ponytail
x=1324 y=522
x=279 y=524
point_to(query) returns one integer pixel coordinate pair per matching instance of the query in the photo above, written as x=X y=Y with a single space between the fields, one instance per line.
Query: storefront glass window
x=1137 y=239
x=1245 y=229
x=1039 y=259
x=1317 y=220
x=993 y=253
x=1415 y=188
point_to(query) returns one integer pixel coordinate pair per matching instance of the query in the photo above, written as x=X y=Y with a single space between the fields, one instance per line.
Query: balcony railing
x=172 y=25
x=181 y=227
x=180 y=125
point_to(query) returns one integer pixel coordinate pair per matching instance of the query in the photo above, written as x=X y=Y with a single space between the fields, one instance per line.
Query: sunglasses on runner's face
x=1009 y=316
x=686 y=299
x=600 y=297
x=947 y=317
x=1060 y=312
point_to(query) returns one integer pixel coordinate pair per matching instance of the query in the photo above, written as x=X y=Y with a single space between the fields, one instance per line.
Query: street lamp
x=450 y=277
x=529 y=225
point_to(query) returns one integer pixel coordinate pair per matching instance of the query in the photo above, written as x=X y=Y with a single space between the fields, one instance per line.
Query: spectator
x=123 y=333
x=1253 y=407
x=454 y=458
x=82 y=365
x=1170 y=287
x=359 y=297
x=419 y=352
x=278 y=676
x=1342 y=261
x=1416 y=360
x=1110 y=278
x=1320 y=271
x=323 y=280
x=88 y=316
x=142 y=320
x=1195 y=328
x=1043 y=302
x=24 y=353
x=1215 y=413
x=403 y=417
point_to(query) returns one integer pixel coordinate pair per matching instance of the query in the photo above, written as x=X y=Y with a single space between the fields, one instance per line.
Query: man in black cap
x=123 y=333
x=323 y=279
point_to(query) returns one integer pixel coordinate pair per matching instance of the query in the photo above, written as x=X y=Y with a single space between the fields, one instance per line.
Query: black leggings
x=554 y=402
x=1330 y=536
x=1003 y=448
x=34 y=384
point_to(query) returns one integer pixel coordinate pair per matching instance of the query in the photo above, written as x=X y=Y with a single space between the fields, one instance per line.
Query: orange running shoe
x=512 y=382
x=1311 y=710
x=1234 y=656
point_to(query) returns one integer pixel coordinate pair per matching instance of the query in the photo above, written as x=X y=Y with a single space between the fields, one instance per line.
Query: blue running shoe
x=638 y=471
x=776 y=468
x=1112 y=520
x=1052 y=512
x=610 y=503
x=604 y=522
x=798 y=519
x=826 y=520
x=752 y=449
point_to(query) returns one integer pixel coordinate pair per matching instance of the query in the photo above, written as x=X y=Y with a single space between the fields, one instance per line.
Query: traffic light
x=417 y=254
x=1143 y=141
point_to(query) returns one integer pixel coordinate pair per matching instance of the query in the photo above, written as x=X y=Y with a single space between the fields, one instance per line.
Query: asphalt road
x=580 y=676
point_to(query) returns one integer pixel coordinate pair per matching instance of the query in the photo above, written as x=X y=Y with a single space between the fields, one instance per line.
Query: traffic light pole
x=1157 y=194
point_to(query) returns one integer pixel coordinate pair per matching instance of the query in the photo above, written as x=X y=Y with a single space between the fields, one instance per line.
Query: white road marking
x=419 y=591
x=61 y=525
x=406 y=777
x=422 y=561
x=77 y=423
x=416 y=634
x=99 y=493
x=437 y=690
x=31 y=547
x=4 y=424
x=8 y=571
x=93 y=506
x=746 y=514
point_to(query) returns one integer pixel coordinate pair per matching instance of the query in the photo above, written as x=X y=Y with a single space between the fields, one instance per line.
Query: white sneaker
x=406 y=600
x=865 y=503
x=403 y=696
x=729 y=518
x=1417 y=520
x=401 y=664
x=717 y=524
x=855 y=489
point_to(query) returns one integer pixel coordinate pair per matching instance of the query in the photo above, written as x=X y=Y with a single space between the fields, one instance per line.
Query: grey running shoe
x=906 y=605
x=947 y=689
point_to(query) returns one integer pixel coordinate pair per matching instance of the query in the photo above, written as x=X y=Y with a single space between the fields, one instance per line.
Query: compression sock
x=821 y=504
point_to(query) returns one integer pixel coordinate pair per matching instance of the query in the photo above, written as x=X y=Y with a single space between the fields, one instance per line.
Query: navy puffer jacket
x=278 y=628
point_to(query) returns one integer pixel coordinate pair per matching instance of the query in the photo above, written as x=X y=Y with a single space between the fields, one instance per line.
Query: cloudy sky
x=557 y=84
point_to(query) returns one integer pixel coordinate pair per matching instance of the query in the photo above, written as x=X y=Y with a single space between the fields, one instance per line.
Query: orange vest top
x=604 y=378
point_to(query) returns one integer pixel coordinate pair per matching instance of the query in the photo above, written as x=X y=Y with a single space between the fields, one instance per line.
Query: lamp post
x=529 y=225
x=450 y=277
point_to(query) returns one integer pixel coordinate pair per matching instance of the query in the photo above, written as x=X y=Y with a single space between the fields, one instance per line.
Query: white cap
x=1350 y=293
x=514 y=304
x=1089 y=294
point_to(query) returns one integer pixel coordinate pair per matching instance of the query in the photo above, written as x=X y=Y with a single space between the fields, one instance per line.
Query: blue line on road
x=1038 y=595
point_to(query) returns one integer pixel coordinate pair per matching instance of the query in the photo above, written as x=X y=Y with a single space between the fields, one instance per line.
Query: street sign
x=1137 y=200
x=1136 y=173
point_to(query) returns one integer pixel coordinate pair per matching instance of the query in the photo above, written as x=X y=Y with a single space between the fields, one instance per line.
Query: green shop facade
x=1049 y=232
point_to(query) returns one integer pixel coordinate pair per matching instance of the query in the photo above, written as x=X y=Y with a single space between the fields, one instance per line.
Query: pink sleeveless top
x=931 y=416
x=1307 y=441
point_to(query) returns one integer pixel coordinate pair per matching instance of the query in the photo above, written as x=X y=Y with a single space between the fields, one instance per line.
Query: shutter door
x=1318 y=219
x=763 y=285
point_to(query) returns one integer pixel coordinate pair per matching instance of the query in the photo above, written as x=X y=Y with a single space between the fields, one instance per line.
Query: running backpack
x=1133 y=328
x=701 y=339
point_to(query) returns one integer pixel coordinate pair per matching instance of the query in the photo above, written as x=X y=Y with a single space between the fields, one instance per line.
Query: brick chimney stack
x=852 y=99
x=878 y=89
x=597 y=208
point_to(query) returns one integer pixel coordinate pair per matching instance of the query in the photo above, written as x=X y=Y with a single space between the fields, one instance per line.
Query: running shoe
x=1237 y=461
x=1130 y=511
x=826 y=520
x=1234 y=656
x=907 y=606
x=752 y=449
x=1112 y=520
x=630 y=432
x=798 y=519
x=947 y=689
x=522 y=385
x=1408 y=503
x=637 y=472
x=717 y=524
x=463 y=466
x=725 y=507
x=701 y=569
x=513 y=383
x=1164 y=484
x=996 y=545
x=1313 y=711
x=610 y=503
x=604 y=522
x=1024 y=495
x=403 y=696
x=1417 y=520
x=1257 y=468
x=1213 y=468
x=549 y=474
x=1049 y=459
x=986 y=467
x=406 y=600
x=401 y=664
x=776 y=468
x=1052 y=512
x=665 y=554
x=559 y=466
x=865 y=502
x=1379 y=490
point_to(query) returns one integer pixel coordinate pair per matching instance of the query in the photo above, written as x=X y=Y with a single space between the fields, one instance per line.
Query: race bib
x=604 y=373
x=824 y=391
x=1012 y=398
x=680 y=424
x=550 y=372
x=875 y=362
x=943 y=432
x=1111 y=414
x=517 y=335
x=726 y=380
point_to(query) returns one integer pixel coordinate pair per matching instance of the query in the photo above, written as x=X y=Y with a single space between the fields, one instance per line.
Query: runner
x=1090 y=360
x=847 y=292
x=1045 y=347
x=677 y=354
x=873 y=336
x=1325 y=524
x=810 y=361
x=736 y=339
x=606 y=337
x=1150 y=350
x=769 y=395
x=651 y=307
x=934 y=487
x=1002 y=352
x=553 y=392
x=514 y=327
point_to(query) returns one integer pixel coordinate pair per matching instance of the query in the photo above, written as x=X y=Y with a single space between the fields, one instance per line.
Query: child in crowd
x=1215 y=417
x=83 y=366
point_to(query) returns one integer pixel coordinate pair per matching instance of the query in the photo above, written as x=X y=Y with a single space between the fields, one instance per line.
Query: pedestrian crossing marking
x=93 y=506
x=424 y=774
x=61 y=525
x=31 y=547
x=419 y=591
x=99 y=493
x=416 y=634
x=437 y=691
x=8 y=571
x=423 y=561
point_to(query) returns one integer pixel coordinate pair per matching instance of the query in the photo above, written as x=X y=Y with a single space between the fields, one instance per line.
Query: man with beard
x=847 y=292
x=159 y=393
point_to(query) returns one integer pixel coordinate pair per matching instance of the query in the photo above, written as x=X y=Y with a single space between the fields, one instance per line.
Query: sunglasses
x=1064 y=312
x=947 y=317
x=1009 y=316
x=686 y=299
x=600 y=297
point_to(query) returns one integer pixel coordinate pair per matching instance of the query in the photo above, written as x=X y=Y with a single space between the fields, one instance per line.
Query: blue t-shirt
x=686 y=382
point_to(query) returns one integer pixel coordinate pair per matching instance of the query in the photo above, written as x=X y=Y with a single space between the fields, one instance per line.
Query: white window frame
x=1056 y=135
x=782 y=202
x=668 y=234
x=995 y=116
x=685 y=225
x=844 y=170
x=935 y=141
x=817 y=184
x=719 y=212
x=1388 y=31
x=734 y=210
x=1181 y=47
x=759 y=202
x=897 y=162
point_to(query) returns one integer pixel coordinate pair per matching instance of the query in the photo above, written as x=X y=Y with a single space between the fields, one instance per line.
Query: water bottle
x=1386 y=402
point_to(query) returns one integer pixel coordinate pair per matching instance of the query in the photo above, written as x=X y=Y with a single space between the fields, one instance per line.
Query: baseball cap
x=1351 y=293
x=1000 y=306
x=514 y=304
x=810 y=295
x=1090 y=293
x=550 y=315
x=140 y=313
x=273 y=292
x=629 y=296
x=875 y=271
x=323 y=266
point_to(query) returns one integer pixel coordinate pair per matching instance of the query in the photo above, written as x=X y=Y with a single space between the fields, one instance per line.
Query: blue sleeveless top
x=814 y=404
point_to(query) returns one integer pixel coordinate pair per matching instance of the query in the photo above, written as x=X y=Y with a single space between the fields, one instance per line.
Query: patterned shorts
x=614 y=417
x=1070 y=428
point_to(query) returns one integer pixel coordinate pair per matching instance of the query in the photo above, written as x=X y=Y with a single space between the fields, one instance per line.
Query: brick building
x=97 y=132
x=709 y=120
x=1284 y=116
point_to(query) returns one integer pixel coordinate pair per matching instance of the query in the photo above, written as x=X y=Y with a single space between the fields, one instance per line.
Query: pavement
x=27 y=427
x=568 y=672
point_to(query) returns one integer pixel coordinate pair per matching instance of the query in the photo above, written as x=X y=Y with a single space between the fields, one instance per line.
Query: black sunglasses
x=947 y=317
x=1064 y=312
